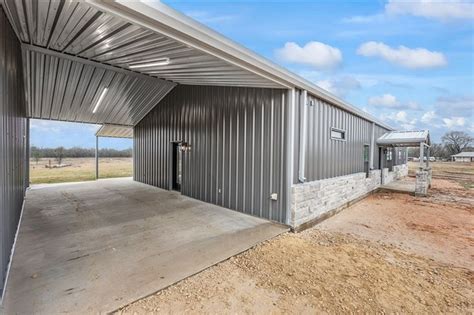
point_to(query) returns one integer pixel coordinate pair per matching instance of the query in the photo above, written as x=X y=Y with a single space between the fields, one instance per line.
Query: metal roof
x=115 y=131
x=404 y=138
x=464 y=154
x=123 y=33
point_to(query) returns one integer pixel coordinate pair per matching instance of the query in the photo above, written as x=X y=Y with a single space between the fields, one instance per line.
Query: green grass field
x=463 y=173
x=81 y=169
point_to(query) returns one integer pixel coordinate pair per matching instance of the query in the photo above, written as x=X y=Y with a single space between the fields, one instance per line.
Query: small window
x=338 y=134
x=366 y=153
x=389 y=155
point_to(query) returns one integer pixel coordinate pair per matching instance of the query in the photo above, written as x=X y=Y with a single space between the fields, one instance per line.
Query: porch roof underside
x=73 y=50
x=404 y=138
x=115 y=131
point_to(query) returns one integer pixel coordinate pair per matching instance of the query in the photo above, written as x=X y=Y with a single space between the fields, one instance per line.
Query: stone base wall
x=399 y=171
x=312 y=200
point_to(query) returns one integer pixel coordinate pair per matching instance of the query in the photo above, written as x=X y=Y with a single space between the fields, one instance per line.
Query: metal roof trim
x=163 y=19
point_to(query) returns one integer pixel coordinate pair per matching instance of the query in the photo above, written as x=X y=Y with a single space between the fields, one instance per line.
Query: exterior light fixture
x=157 y=63
x=101 y=97
x=185 y=147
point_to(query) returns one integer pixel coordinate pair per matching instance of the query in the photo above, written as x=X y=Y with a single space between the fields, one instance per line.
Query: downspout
x=302 y=138
x=290 y=135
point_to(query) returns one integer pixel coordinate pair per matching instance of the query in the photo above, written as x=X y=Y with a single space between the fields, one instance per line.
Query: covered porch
x=407 y=139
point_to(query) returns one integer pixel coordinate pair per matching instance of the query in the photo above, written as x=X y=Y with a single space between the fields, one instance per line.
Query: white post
x=96 y=157
x=422 y=154
x=372 y=148
x=427 y=156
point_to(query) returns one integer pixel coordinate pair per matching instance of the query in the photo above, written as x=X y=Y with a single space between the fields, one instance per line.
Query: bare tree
x=59 y=154
x=438 y=150
x=456 y=141
x=36 y=156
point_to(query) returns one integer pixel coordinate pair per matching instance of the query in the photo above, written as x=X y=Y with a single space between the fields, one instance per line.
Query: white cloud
x=386 y=100
x=340 y=86
x=428 y=116
x=441 y=10
x=455 y=105
x=316 y=54
x=363 y=19
x=390 y=101
x=454 y=122
x=208 y=17
x=402 y=119
x=417 y=58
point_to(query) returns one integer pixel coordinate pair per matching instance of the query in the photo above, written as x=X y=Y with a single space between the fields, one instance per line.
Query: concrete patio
x=405 y=185
x=94 y=247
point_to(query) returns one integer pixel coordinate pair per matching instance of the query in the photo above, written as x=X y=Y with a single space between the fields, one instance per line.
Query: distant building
x=463 y=157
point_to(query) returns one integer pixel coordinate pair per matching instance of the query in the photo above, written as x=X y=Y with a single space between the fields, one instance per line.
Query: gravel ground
x=390 y=253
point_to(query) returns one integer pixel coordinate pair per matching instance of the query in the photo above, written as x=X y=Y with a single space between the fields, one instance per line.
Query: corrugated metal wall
x=13 y=143
x=238 y=152
x=326 y=157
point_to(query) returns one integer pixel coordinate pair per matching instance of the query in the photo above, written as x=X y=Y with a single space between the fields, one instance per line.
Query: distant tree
x=456 y=141
x=36 y=156
x=438 y=150
x=59 y=154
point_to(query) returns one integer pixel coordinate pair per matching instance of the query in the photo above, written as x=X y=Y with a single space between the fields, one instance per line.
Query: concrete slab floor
x=94 y=247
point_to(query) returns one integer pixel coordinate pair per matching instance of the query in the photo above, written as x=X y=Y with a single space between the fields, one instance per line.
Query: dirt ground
x=81 y=169
x=389 y=253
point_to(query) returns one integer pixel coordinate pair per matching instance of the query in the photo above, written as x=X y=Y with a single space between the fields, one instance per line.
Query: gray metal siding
x=238 y=146
x=13 y=130
x=326 y=157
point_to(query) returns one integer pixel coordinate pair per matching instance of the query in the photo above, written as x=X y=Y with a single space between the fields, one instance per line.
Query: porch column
x=422 y=154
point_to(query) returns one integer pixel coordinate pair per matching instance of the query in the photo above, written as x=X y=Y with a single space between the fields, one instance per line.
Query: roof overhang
x=125 y=34
x=161 y=18
x=404 y=138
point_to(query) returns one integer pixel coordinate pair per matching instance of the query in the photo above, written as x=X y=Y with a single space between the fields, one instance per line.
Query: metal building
x=209 y=117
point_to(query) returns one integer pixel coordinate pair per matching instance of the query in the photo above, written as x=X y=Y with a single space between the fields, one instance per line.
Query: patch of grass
x=81 y=169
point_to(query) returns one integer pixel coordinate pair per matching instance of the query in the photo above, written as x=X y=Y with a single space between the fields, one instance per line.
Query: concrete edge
x=398 y=191
x=285 y=229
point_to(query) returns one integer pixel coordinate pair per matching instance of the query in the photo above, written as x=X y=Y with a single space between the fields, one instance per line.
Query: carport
x=92 y=247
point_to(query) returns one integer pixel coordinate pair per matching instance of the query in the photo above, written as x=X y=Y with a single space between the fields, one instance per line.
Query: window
x=366 y=153
x=338 y=134
x=389 y=155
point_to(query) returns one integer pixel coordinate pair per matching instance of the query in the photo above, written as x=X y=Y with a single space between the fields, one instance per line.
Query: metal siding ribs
x=237 y=149
x=13 y=143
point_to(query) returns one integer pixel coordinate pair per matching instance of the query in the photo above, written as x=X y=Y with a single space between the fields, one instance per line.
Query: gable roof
x=464 y=154
x=404 y=138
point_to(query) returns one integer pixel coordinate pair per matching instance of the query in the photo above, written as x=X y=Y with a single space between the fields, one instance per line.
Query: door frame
x=171 y=166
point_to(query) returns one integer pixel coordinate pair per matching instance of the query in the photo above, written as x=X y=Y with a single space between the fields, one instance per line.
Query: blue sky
x=409 y=63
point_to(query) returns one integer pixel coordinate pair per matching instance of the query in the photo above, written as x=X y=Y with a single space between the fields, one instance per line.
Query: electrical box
x=274 y=196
